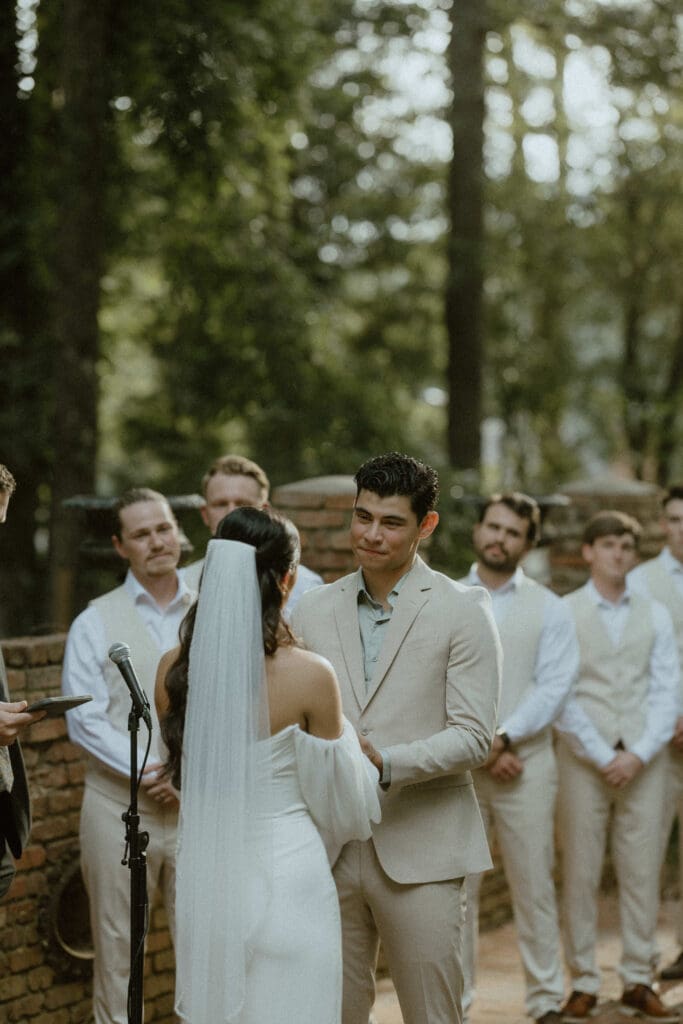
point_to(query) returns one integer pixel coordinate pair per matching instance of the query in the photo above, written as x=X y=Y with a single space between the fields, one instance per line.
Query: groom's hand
x=372 y=753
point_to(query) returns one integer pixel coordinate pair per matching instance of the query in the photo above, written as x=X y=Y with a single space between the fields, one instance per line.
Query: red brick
x=164 y=961
x=22 y=1009
x=159 y=984
x=62 y=995
x=54 y=827
x=76 y=771
x=48 y=729
x=319 y=518
x=14 y=986
x=32 y=857
x=22 y=960
x=40 y=978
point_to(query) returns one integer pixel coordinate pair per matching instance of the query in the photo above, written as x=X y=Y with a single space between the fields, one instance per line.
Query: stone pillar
x=321 y=510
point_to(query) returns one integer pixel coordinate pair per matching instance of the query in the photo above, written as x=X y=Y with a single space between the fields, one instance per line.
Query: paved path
x=500 y=988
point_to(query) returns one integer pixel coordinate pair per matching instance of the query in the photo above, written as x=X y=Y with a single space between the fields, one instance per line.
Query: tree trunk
x=83 y=121
x=465 y=240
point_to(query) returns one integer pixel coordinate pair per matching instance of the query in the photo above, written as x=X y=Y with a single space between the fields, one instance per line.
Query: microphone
x=119 y=653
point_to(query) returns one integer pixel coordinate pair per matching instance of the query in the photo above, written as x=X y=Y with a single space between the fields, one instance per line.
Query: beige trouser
x=588 y=810
x=673 y=808
x=419 y=926
x=521 y=813
x=107 y=881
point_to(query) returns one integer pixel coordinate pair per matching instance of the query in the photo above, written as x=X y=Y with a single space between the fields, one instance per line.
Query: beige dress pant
x=521 y=813
x=107 y=881
x=419 y=926
x=588 y=811
x=673 y=808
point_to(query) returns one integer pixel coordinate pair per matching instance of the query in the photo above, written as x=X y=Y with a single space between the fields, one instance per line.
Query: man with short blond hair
x=612 y=768
x=233 y=481
x=145 y=612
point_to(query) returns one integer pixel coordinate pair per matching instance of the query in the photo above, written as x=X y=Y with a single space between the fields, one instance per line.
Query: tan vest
x=613 y=681
x=520 y=635
x=663 y=589
x=123 y=623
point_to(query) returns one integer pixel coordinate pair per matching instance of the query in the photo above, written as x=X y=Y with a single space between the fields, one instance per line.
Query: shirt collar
x=514 y=583
x=140 y=594
x=603 y=602
x=671 y=564
x=363 y=592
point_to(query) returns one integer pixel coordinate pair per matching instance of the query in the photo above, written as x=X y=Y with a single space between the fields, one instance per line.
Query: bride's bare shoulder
x=308 y=667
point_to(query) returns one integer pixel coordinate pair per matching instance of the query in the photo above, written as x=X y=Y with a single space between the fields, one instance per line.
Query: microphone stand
x=136 y=857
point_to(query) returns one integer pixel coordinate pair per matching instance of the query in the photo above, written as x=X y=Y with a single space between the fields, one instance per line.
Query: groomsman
x=517 y=787
x=233 y=481
x=662 y=579
x=145 y=612
x=612 y=734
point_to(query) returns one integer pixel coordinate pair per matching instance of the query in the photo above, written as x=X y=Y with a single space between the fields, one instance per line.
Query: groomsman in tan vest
x=662 y=579
x=517 y=787
x=230 y=482
x=145 y=613
x=612 y=735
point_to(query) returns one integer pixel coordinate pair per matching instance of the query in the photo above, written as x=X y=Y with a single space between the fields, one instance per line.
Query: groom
x=418 y=661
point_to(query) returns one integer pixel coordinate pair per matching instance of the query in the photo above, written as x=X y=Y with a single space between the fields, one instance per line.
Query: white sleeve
x=582 y=736
x=663 y=694
x=88 y=725
x=555 y=672
x=339 y=785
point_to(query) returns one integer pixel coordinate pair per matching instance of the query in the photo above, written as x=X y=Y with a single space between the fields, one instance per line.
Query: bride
x=270 y=773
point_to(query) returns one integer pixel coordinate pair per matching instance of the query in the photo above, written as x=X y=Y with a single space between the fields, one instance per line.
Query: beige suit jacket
x=431 y=705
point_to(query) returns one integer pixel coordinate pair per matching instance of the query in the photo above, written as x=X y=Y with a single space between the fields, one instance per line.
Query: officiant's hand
x=157 y=784
x=372 y=753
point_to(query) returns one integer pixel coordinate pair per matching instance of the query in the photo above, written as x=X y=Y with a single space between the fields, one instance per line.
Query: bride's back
x=303 y=691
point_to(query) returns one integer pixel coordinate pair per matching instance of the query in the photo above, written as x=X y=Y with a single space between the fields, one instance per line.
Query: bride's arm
x=322 y=700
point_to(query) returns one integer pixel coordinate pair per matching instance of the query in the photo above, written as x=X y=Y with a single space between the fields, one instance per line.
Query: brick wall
x=41 y=983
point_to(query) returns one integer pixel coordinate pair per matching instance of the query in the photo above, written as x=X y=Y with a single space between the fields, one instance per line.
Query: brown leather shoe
x=642 y=1002
x=674 y=971
x=579 y=1007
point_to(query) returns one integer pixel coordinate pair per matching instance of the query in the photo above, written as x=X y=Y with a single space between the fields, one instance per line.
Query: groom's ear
x=429 y=524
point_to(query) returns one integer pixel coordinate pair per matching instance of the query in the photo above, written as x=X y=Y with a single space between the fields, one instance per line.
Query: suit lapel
x=346 y=618
x=413 y=595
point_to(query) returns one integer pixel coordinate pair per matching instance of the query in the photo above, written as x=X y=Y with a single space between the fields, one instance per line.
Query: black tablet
x=58 y=705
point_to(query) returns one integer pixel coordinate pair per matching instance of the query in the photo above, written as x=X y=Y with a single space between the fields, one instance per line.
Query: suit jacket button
x=364 y=731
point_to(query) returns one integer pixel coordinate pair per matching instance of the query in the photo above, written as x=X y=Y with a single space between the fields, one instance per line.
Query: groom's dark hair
x=395 y=473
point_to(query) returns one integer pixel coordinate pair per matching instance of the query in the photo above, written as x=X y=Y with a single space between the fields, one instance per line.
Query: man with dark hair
x=15 y=811
x=612 y=734
x=418 y=661
x=233 y=481
x=145 y=612
x=517 y=787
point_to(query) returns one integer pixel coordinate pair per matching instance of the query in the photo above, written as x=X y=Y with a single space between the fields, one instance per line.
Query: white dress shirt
x=87 y=653
x=557 y=658
x=637 y=578
x=662 y=693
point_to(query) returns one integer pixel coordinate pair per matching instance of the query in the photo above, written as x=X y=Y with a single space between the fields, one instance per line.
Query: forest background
x=310 y=232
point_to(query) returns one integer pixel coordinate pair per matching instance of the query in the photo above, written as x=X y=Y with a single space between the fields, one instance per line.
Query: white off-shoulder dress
x=324 y=794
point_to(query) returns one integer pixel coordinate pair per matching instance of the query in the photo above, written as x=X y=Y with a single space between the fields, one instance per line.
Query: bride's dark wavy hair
x=277 y=552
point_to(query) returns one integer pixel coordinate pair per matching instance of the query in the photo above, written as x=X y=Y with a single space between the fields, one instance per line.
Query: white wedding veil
x=224 y=860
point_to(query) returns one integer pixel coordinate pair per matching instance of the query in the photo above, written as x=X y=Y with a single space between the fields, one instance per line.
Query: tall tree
x=465 y=240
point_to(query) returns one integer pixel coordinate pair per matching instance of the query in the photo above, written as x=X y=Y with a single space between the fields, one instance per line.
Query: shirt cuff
x=385 y=777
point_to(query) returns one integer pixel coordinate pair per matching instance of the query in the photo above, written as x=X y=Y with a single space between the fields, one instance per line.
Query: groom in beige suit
x=418 y=661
